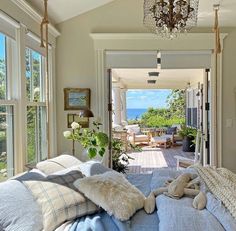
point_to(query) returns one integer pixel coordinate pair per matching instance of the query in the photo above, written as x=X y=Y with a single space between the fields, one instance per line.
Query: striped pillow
x=59 y=203
x=66 y=179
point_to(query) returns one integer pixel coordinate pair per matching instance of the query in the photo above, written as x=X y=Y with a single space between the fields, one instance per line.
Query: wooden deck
x=153 y=158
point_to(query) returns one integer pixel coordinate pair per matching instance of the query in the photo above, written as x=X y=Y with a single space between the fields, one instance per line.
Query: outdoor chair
x=186 y=162
x=172 y=133
x=135 y=136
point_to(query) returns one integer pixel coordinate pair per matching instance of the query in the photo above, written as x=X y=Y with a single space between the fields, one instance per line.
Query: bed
x=19 y=210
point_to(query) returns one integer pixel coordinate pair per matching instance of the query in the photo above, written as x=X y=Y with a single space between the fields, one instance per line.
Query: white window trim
x=16 y=58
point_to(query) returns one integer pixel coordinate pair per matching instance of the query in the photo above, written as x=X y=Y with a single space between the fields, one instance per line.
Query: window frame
x=9 y=101
x=17 y=85
x=37 y=104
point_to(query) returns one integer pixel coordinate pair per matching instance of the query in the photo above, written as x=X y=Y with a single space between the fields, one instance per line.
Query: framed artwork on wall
x=76 y=98
x=83 y=121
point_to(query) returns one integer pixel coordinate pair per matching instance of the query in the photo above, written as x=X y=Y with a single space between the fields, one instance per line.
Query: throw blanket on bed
x=222 y=183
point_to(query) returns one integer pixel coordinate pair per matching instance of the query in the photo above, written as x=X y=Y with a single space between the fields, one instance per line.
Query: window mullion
x=21 y=115
x=41 y=81
x=31 y=76
x=38 y=155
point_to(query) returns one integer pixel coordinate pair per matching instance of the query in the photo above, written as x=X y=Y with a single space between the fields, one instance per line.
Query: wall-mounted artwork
x=83 y=121
x=76 y=98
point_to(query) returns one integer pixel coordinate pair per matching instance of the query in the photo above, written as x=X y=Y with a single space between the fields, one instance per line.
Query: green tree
x=2 y=79
x=176 y=103
x=165 y=117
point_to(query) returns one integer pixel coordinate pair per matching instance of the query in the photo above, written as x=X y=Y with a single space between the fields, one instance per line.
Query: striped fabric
x=66 y=179
x=58 y=201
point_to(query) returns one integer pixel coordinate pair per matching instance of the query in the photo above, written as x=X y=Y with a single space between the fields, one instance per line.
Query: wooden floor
x=153 y=158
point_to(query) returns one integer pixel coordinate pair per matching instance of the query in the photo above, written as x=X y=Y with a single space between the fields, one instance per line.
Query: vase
x=84 y=155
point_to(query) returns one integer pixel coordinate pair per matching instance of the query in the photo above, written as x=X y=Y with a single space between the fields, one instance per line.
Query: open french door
x=206 y=116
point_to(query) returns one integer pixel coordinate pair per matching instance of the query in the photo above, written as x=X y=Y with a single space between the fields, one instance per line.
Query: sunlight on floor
x=149 y=158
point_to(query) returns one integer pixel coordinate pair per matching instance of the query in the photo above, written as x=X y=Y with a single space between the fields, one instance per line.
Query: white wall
x=229 y=101
x=76 y=67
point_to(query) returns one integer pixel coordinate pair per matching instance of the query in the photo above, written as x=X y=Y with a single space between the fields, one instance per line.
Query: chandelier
x=168 y=18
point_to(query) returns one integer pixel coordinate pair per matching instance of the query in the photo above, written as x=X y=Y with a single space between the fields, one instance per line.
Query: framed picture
x=83 y=121
x=76 y=98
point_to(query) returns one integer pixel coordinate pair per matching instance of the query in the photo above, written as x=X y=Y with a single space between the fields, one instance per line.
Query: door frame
x=104 y=42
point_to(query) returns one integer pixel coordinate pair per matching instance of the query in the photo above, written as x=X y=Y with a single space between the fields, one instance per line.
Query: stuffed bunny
x=183 y=185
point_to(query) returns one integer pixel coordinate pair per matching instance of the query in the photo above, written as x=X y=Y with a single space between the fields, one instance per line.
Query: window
x=23 y=117
x=6 y=116
x=36 y=106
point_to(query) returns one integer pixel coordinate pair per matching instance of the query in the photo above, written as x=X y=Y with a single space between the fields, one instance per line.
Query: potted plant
x=93 y=140
x=120 y=158
x=188 y=134
x=96 y=142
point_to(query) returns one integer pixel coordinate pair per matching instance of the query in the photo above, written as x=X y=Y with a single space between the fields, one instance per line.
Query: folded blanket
x=99 y=222
x=179 y=215
x=222 y=183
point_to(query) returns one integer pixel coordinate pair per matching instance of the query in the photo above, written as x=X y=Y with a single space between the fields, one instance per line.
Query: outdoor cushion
x=133 y=129
x=160 y=139
x=139 y=138
x=167 y=136
x=171 y=130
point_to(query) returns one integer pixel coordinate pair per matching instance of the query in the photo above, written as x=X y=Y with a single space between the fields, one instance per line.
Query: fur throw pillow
x=113 y=193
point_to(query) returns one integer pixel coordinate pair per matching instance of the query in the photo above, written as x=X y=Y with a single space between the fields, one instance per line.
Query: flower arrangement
x=93 y=140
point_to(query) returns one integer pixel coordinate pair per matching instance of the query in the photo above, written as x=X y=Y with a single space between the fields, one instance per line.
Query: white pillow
x=133 y=129
x=57 y=164
x=113 y=193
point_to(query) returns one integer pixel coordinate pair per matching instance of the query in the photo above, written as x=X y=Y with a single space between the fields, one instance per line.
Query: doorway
x=109 y=44
x=142 y=86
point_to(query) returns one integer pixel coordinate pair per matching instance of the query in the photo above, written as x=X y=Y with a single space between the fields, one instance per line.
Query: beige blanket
x=222 y=183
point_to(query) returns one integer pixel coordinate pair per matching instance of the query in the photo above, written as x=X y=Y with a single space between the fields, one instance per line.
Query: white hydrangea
x=75 y=125
x=67 y=134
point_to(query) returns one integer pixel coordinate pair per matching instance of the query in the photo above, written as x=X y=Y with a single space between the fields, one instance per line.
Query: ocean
x=135 y=113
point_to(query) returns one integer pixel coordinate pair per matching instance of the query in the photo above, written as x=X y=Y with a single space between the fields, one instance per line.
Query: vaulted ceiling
x=62 y=10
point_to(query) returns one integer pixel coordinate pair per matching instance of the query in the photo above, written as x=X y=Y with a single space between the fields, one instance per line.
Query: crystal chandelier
x=170 y=17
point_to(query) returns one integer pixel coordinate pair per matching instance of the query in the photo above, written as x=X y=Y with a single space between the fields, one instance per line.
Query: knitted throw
x=222 y=183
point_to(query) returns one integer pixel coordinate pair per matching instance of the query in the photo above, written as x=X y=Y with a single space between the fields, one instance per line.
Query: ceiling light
x=170 y=17
x=153 y=74
x=151 y=81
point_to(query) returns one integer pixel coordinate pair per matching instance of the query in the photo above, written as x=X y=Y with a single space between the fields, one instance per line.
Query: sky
x=2 y=51
x=147 y=98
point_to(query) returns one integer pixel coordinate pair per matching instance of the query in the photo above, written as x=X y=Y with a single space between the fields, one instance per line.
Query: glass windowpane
x=3 y=69
x=34 y=76
x=6 y=142
x=36 y=134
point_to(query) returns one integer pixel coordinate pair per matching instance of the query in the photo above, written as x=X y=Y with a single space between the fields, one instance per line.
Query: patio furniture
x=135 y=136
x=121 y=135
x=186 y=162
x=161 y=141
x=172 y=133
x=153 y=131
